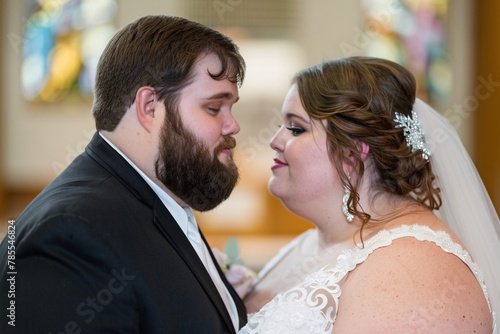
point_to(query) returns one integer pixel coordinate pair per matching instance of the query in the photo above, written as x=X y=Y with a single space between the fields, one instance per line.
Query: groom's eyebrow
x=222 y=96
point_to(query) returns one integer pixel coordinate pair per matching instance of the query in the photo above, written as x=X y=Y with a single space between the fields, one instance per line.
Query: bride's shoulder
x=411 y=282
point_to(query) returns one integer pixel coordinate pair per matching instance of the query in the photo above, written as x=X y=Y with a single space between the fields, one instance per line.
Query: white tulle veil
x=467 y=208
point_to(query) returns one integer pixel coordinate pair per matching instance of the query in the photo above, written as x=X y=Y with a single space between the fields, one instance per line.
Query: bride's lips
x=278 y=164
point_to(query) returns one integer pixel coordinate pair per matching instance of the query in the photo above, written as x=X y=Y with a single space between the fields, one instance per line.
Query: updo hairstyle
x=357 y=97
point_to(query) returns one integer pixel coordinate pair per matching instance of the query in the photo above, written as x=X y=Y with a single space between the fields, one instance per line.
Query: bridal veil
x=467 y=208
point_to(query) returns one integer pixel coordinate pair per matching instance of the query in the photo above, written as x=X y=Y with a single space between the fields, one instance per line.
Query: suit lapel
x=114 y=163
x=181 y=244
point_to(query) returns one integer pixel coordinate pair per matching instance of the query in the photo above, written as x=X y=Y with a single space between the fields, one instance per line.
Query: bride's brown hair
x=357 y=97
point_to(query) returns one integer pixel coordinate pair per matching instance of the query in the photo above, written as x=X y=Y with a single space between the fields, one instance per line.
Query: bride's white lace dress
x=311 y=306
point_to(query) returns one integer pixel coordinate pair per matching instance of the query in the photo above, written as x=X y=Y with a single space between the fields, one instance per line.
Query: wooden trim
x=3 y=205
x=487 y=94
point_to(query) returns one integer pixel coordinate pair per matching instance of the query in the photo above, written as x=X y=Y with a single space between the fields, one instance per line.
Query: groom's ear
x=146 y=101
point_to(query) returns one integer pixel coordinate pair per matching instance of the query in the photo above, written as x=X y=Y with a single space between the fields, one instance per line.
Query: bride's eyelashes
x=295 y=130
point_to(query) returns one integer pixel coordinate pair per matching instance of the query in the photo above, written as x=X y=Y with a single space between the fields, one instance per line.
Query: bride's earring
x=345 y=210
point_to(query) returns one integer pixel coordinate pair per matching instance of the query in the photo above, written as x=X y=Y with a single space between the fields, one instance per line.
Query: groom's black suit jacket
x=97 y=251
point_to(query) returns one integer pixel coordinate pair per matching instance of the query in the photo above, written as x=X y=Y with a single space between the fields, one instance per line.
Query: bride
x=406 y=238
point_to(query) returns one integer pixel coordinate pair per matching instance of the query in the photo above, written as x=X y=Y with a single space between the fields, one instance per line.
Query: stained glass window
x=62 y=44
x=412 y=33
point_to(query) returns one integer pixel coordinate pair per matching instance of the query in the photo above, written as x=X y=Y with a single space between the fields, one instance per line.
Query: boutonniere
x=240 y=277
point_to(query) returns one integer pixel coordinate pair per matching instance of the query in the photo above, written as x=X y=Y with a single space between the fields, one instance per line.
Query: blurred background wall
x=451 y=46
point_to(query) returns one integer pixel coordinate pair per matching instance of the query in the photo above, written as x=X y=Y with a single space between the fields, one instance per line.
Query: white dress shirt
x=187 y=222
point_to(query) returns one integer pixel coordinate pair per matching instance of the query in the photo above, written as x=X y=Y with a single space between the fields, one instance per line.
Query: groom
x=112 y=245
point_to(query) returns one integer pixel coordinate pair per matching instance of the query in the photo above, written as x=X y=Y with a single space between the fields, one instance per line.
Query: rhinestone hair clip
x=415 y=139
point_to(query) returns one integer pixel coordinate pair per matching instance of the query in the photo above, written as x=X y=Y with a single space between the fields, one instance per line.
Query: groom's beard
x=186 y=167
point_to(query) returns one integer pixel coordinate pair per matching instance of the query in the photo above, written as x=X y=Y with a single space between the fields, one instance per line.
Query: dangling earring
x=345 y=210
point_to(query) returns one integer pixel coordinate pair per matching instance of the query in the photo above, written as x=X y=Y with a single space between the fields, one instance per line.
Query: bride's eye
x=295 y=130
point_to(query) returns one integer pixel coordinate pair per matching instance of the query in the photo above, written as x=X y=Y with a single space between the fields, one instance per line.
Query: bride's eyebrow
x=292 y=116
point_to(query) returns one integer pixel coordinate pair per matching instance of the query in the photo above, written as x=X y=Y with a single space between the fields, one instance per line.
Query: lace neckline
x=313 y=303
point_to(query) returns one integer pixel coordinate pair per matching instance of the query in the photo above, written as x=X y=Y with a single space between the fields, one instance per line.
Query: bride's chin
x=273 y=190
x=271 y=186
